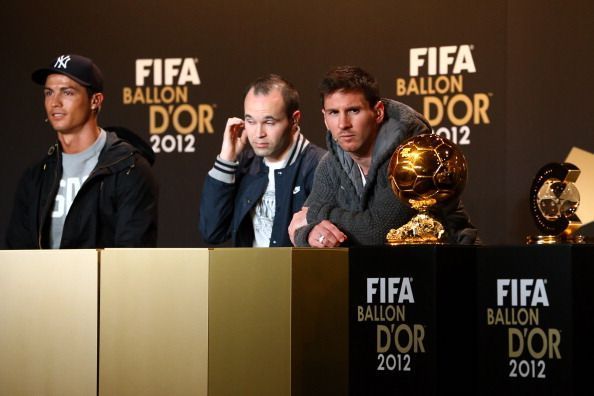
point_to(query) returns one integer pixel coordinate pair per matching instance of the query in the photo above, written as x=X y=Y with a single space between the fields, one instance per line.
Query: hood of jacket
x=117 y=154
x=136 y=141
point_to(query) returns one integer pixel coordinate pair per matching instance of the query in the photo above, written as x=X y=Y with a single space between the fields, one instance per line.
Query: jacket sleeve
x=136 y=207
x=21 y=232
x=216 y=210
x=217 y=201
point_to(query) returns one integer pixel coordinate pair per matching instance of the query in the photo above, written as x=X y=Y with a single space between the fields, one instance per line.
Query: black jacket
x=115 y=207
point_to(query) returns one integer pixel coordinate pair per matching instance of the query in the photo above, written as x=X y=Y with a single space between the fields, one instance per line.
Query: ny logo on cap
x=62 y=62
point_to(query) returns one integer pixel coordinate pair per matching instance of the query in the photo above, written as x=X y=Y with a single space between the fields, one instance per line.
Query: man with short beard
x=352 y=202
x=263 y=173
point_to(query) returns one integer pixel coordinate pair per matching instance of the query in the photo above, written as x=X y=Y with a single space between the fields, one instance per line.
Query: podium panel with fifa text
x=412 y=320
x=535 y=319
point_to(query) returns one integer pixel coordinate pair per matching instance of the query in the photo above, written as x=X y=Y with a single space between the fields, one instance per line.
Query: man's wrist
x=226 y=161
x=227 y=157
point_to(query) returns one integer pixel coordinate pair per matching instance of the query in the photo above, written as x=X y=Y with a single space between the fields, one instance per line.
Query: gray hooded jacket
x=366 y=213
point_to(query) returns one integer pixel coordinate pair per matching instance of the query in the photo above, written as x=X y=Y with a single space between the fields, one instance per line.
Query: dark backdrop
x=527 y=73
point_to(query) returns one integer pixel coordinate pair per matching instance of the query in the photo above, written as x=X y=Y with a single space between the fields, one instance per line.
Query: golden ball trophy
x=425 y=170
x=554 y=199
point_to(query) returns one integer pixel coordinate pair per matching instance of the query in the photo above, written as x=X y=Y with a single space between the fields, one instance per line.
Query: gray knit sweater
x=366 y=214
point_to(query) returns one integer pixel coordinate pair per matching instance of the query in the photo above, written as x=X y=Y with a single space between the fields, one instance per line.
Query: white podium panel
x=153 y=322
x=48 y=322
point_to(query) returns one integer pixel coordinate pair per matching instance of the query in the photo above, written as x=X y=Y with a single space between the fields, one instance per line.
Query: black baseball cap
x=79 y=68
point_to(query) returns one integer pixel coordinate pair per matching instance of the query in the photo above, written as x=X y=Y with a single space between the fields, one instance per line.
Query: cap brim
x=39 y=76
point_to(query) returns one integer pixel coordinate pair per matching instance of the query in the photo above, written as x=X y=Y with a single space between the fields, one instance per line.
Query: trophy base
x=421 y=229
x=554 y=239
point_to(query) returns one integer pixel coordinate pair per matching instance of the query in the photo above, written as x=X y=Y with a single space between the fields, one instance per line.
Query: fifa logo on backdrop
x=446 y=60
x=171 y=71
x=164 y=86
x=436 y=74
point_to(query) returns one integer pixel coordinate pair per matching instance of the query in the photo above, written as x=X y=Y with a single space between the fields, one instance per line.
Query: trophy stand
x=554 y=239
x=421 y=229
x=554 y=199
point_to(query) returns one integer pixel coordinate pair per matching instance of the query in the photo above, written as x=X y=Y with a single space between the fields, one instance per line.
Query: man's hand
x=299 y=220
x=234 y=139
x=325 y=234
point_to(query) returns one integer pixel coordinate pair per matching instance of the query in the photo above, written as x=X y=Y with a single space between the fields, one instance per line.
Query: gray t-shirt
x=75 y=170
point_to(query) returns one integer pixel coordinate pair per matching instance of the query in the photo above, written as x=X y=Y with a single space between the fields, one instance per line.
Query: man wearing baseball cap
x=93 y=189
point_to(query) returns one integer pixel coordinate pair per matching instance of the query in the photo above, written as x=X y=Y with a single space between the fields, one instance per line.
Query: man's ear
x=324 y=117
x=379 y=111
x=96 y=101
x=295 y=118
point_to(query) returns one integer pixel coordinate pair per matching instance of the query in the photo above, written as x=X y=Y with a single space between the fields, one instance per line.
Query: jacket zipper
x=48 y=203
x=91 y=176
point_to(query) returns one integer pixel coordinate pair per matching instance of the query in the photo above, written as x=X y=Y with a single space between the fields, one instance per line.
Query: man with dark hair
x=264 y=171
x=93 y=189
x=351 y=202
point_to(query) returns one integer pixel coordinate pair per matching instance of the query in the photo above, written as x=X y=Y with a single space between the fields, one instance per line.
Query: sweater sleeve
x=369 y=225
x=323 y=192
